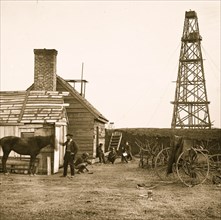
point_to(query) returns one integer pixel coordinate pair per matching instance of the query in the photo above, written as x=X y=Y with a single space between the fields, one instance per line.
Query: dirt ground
x=108 y=191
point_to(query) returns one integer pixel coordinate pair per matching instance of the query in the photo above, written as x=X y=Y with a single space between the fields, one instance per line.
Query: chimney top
x=45 y=51
x=45 y=69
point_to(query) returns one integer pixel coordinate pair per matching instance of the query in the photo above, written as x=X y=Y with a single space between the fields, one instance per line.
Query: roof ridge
x=83 y=100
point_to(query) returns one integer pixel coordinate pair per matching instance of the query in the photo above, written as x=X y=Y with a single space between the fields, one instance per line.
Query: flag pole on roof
x=82 y=73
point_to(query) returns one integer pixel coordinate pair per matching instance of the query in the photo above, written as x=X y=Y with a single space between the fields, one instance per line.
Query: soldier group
x=80 y=164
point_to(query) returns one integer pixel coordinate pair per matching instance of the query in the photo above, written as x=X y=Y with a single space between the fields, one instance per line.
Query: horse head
x=44 y=141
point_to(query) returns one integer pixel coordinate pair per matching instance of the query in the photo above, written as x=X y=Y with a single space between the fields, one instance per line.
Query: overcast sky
x=130 y=51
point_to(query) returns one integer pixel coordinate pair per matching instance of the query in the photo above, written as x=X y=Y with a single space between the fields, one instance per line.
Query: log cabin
x=48 y=93
x=85 y=122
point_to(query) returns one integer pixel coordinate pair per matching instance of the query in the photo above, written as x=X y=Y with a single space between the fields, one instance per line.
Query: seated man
x=82 y=162
x=124 y=154
x=112 y=155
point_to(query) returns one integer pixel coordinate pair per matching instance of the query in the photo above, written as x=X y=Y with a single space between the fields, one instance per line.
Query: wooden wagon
x=188 y=161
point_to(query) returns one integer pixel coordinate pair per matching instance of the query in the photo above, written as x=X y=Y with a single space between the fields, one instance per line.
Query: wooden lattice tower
x=191 y=105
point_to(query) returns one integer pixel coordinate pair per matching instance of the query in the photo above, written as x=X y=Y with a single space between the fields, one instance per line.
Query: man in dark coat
x=128 y=150
x=112 y=155
x=70 y=153
x=124 y=154
x=100 y=153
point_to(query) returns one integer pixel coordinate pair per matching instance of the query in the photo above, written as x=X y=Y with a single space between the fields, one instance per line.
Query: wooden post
x=48 y=166
x=82 y=72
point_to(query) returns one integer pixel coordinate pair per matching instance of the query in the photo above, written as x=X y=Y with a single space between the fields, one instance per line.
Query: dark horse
x=24 y=146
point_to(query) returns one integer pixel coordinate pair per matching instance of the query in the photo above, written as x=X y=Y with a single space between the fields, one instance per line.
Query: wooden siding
x=28 y=111
x=81 y=100
x=16 y=130
x=81 y=122
x=56 y=154
x=98 y=137
x=81 y=117
x=82 y=129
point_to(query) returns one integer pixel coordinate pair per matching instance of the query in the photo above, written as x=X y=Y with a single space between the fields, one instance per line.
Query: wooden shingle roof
x=82 y=100
x=32 y=107
x=73 y=92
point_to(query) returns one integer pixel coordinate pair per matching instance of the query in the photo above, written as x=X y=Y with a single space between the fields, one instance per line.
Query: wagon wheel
x=192 y=167
x=161 y=163
x=215 y=166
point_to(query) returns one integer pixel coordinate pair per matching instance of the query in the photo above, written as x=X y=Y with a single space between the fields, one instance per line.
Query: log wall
x=82 y=124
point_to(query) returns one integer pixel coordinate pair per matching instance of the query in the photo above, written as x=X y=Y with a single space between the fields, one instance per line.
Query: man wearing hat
x=70 y=153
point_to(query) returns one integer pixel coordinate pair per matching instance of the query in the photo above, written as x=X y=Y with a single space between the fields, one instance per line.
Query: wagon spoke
x=215 y=166
x=161 y=163
x=192 y=167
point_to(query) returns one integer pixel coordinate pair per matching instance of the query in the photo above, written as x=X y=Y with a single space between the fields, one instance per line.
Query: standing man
x=100 y=153
x=70 y=153
x=128 y=150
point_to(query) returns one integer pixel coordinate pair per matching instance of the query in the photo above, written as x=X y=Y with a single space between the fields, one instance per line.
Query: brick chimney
x=45 y=69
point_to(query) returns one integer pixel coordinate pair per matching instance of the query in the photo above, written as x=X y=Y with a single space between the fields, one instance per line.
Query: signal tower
x=191 y=105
